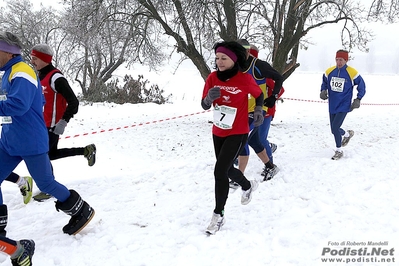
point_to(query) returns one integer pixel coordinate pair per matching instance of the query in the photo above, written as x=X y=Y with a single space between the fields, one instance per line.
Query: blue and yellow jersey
x=340 y=83
x=22 y=102
x=261 y=83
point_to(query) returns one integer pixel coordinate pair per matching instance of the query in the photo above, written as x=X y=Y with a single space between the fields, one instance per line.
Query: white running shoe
x=338 y=155
x=346 y=140
x=247 y=194
x=269 y=173
x=217 y=222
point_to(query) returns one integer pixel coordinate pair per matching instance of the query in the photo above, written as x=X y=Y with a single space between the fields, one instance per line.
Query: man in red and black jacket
x=61 y=104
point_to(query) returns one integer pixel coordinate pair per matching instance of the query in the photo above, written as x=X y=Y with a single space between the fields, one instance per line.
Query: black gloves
x=270 y=101
x=324 y=95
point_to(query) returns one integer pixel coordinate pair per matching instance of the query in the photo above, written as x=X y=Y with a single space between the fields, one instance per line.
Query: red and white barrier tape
x=134 y=125
x=314 y=101
x=181 y=116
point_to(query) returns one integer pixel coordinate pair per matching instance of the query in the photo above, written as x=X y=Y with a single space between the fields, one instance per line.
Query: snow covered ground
x=152 y=186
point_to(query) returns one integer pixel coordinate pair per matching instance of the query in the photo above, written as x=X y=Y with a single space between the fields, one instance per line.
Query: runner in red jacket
x=227 y=89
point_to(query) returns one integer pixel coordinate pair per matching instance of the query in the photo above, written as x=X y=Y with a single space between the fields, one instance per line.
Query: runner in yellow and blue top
x=338 y=84
x=260 y=71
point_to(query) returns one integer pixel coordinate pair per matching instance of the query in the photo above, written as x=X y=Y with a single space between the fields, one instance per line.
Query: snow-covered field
x=152 y=186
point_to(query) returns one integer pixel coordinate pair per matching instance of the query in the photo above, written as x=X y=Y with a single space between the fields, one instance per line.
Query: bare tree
x=184 y=22
x=291 y=23
x=99 y=36
x=385 y=10
x=278 y=26
x=33 y=27
x=105 y=35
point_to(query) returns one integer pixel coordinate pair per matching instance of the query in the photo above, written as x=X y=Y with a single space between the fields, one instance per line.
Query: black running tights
x=226 y=150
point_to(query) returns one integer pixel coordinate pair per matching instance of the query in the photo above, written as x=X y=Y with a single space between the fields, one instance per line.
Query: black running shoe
x=90 y=154
x=25 y=258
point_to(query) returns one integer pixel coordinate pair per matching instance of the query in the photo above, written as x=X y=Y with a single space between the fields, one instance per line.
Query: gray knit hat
x=10 y=43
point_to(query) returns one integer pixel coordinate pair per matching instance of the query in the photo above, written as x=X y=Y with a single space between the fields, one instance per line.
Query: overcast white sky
x=383 y=55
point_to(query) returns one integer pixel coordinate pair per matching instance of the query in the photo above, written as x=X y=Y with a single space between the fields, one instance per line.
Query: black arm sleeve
x=63 y=88
x=259 y=100
x=267 y=71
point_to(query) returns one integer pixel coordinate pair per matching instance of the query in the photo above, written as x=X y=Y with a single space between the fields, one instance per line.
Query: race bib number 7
x=224 y=116
x=337 y=84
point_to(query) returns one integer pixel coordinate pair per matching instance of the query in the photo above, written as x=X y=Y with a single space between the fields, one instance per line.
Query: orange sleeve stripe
x=7 y=247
